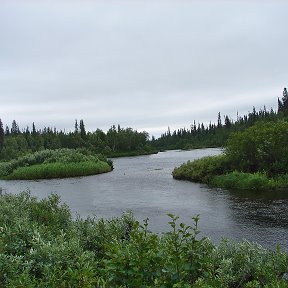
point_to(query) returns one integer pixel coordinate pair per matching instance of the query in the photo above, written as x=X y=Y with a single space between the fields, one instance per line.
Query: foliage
x=41 y=246
x=239 y=180
x=262 y=147
x=201 y=170
x=214 y=134
x=14 y=143
x=59 y=170
x=55 y=164
x=283 y=105
x=256 y=158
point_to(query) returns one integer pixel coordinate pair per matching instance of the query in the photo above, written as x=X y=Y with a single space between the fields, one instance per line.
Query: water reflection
x=144 y=185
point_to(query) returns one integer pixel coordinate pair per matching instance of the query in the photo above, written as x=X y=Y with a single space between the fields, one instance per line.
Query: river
x=145 y=186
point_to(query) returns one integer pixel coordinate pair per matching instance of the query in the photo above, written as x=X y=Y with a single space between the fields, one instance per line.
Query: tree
x=82 y=129
x=219 y=123
x=33 y=129
x=1 y=135
x=262 y=147
x=283 y=104
x=76 y=130
x=14 y=128
x=227 y=122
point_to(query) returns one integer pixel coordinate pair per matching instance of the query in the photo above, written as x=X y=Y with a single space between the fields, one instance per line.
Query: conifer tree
x=76 y=130
x=285 y=102
x=14 y=128
x=82 y=129
x=219 y=122
x=227 y=122
x=1 y=135
x=33 y=129
x=7 y=131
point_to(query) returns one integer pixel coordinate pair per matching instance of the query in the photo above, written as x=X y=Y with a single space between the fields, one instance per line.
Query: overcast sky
x=141 y=64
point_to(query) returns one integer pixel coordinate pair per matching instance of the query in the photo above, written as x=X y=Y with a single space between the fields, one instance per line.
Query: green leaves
x=41 y=246
x=59 y=163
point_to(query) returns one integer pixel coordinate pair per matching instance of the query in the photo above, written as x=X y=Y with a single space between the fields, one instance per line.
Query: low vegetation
x=256 y=158
x=58 y=163
x=42 y=246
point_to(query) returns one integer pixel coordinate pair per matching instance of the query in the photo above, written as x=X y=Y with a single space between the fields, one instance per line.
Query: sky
x=143 y=64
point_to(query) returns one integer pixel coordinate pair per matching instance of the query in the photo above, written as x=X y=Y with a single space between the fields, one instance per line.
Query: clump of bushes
x=238 y=180
x=256 y=158
x=203 y=169
x=55 y=164
x=42 y=246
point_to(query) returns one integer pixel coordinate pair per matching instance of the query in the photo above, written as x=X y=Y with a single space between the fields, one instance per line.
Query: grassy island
x=59 y=163
x=41 y=246
x=256 y=158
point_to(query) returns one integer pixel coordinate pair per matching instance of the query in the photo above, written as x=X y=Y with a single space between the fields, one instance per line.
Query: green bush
x=41 y=246
x=201 y=170
x=256 y=158
x=262 y=147
x=238 y=180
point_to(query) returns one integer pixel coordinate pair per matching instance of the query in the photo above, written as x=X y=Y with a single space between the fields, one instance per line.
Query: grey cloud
x=140 y=63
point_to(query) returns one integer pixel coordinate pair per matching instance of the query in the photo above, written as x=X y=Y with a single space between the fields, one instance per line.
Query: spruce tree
x=285 y=102
x=15 y=128
x=82 y=129
x=219 y=122
x=33 y=129
x=76 y=130
x=1 y=135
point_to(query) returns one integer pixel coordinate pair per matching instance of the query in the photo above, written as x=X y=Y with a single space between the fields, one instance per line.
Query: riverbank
x=256 y=158
x=41 y=246
x=215 y=171
x=131 y=153
x=61 y=163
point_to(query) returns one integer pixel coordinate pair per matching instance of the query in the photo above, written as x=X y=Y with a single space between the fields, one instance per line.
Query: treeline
x=117 y=141
x=217 y=134
x=212 y=135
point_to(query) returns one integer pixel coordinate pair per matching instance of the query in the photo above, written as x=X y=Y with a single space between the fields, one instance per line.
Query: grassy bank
x=216 y=171
x=256 y=158
x=41 y=246
x=59 y=163
x=131 y=153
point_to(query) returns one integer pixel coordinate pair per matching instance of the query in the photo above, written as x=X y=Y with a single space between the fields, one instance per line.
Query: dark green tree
x=76 y=130
x=15 y=128
x=1 y=135
x=82 y=129
x=227 y=122
x=219 y=122
x=33 y=129
x=285 y=102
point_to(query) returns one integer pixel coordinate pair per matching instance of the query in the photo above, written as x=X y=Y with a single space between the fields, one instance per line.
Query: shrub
x=41 y=246
x=201 y=170
x=238 y=180
x=262 y=147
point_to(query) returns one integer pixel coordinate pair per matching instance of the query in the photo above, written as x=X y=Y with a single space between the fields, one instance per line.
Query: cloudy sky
x=141 y=64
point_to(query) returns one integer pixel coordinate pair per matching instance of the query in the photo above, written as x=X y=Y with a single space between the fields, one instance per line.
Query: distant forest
x=116 y=142
x=120 y=141
x=216 y=135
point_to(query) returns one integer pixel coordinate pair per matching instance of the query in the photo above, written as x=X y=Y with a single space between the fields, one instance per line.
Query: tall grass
x=59 y=170
x=216 y=171
x=55 y=164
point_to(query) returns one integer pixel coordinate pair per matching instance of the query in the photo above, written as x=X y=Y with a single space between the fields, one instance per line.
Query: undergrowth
x=58 y=163
x=42 y=246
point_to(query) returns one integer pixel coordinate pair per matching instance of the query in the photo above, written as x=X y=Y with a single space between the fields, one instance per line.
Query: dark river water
x=144 y=185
